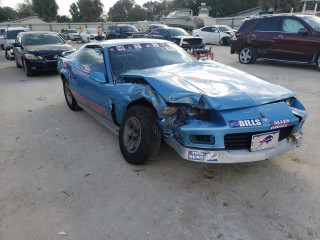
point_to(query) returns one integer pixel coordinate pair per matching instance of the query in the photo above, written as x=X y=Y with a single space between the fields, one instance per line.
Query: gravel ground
x=63 y=171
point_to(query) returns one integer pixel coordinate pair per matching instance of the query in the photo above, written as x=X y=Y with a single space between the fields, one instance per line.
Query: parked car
x=146 y=90
x=10 y=35
x=72 y=34
x=178 y=36
x=219 y=34
x=2 y=31
x=291 y=38
x=122 y=31
x=155 y=26
x=38 y=51
x=90 y=34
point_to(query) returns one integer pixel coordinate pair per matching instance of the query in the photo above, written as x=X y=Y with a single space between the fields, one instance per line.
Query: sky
x=65 y=4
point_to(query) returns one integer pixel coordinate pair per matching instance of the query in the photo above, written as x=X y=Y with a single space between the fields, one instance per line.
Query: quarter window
x=291 y=25
x=269 y=24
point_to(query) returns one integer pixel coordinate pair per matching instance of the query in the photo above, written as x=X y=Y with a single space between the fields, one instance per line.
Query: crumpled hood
x=212 y=85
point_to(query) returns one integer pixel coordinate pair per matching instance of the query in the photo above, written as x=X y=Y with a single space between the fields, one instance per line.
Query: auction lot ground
x=63 y=171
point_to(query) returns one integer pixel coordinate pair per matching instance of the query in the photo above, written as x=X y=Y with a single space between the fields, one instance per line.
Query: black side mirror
x=303 y=32
x=16 y=44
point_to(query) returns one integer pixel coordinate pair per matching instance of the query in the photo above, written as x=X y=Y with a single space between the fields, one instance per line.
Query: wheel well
x=63 y=77
x=141 y=102
x=315 y=57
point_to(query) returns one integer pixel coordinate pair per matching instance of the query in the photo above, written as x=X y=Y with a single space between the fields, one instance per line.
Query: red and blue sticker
x=280 y=123
x=245 y=123
x=203 y=156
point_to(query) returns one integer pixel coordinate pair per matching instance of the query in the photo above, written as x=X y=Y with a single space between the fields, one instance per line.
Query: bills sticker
x=155 y=44
x=120 y=48
x=137 y=46
x=280 y=123
x=203 y=156
x=245 y=123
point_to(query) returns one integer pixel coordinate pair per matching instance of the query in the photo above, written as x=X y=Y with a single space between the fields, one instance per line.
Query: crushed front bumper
x=234 y=156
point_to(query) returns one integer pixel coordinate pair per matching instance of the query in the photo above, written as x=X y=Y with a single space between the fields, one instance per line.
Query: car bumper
x=233 y=156
x=42 y=65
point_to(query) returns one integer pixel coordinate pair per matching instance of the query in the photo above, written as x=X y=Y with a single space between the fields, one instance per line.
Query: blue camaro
x=146 y=91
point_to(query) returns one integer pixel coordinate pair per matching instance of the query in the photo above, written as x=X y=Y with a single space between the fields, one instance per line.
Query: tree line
x=128 y=10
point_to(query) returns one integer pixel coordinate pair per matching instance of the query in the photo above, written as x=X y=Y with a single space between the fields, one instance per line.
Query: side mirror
x=303 y=32
x=98 y=77
x=16 y=44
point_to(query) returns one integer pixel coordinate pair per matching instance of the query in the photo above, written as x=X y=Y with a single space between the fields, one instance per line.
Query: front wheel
x=27 y=69
x=248 y=55
x=139 y=135
x=8 y=57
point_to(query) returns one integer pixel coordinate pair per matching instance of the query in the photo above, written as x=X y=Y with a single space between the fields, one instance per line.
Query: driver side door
x=90 y=80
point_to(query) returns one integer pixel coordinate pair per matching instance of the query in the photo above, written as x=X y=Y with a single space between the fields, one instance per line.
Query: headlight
x=289 y=101
x=32 y=57
x=185 y=42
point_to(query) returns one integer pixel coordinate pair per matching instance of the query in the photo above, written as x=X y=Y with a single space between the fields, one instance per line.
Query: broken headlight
x=199 y=114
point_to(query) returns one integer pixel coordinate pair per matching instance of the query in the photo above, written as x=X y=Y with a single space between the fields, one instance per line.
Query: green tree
x=75 y=13
x=137 y=13
x=63 y=19
x=90 y=10
x=45 y=9
x=119 y=11
x=25 y=9
x=7 y=13
x=280 y=6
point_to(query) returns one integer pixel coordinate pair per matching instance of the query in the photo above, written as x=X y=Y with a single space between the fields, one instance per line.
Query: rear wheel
x=71 y=101
x=140 y=135
x=2 y=46
x=248 y=55
x=318 y=62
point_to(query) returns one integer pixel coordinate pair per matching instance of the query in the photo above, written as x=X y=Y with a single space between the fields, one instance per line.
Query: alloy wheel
x=68 y=92
x=245 y=55
x=132 y=135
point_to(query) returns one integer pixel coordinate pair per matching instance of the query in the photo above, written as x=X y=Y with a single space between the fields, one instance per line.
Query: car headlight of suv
x=32 y=57
x=184 y=42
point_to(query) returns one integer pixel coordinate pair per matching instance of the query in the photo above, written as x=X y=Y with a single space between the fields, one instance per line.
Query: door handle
x=280 y=36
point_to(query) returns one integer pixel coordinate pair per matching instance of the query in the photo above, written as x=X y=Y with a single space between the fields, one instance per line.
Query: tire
x=27 y=70
x=71 y=101
x=2 y=46
x=139 y=135
x=247 y=55
x=7 y=55
x=17 y=64
x=82 y=41
x=318 y=62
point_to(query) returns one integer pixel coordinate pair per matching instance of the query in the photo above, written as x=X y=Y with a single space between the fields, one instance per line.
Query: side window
x=246 y=24
x=156 y=32
x=214 y=30
x=206 y=29
x=269 y=24
x=291 y=25
x=163 y=32
x=91 y=60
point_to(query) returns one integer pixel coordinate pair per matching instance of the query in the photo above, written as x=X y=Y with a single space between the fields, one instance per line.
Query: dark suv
x=290 y=38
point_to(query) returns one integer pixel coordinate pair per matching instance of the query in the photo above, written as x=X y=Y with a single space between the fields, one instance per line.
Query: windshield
x=178 y=32
x=41 y=39
x=145 y=55
x=72 y=31
x=12 y=34
x=224 y=28
x=92 y=31
x=129 y=29
x=313 y=21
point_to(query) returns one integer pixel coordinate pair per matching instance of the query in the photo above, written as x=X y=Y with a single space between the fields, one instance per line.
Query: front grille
x=243 y=140
x=193 y=41
x=51 y=57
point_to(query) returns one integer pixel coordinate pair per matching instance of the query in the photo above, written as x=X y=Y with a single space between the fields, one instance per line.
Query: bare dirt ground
x=63 y=171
